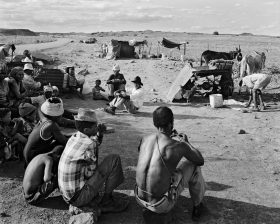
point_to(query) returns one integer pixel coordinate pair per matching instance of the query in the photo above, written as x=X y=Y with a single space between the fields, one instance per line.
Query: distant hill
x=246 y=34
x=20 y=32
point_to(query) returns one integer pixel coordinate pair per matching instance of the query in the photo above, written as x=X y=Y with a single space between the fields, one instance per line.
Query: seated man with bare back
x=40 y=178
x=167 y=164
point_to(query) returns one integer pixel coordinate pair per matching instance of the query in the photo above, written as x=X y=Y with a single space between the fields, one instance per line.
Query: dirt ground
x=242 y=171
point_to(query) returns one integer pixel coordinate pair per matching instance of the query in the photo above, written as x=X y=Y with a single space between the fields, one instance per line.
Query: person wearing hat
x=46 y=134
x=28 y=81
x=132 y=102
x=37 y=101
x=27 y=56
x=81 y=177
x=115 y=82
x=67 y=119
x=55 y=91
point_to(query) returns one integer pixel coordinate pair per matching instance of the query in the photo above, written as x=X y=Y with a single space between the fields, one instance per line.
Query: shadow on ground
x=12 y=169
x=216 y=210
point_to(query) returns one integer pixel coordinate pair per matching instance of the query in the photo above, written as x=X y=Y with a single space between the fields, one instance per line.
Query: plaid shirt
x=78 y=162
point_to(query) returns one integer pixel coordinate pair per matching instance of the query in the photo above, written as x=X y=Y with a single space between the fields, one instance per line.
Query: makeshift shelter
x=170 y=44
x=183 y=77
x=123 y=49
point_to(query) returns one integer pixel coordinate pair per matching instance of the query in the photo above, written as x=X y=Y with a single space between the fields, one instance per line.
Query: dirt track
x=42 y=46
x=242 y=171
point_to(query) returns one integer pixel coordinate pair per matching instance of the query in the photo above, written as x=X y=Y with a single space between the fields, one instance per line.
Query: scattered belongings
x=242 y=131
x=156 y=100
x=217 y=79
x=91 y=40
x=83 y=72
x=216 y=100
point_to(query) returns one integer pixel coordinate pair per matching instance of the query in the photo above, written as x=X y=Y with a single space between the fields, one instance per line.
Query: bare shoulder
x=38 y=161
x=148 y=138
x=177 y=146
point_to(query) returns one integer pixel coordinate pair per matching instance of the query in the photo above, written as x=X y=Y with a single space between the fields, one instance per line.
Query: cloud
x=85 y=15
x=136 y=17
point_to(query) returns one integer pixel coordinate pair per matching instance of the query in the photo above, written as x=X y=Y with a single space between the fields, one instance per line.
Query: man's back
x=158 y=158
x=34 y=173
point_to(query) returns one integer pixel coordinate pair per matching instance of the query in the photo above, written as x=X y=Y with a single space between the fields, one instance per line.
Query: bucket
x=216 y=100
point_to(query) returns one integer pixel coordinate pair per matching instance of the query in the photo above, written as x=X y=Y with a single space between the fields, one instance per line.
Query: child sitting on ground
x=40 y=178
x=96 y=91
x=11 y=130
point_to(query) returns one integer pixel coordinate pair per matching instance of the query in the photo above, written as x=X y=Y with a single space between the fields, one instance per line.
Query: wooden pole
x=184 y=48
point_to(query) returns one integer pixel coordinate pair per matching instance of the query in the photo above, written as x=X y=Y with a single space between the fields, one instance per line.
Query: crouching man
x=80 y=177
x=256 y=82
x=166 y=165
x=131 y=100
x=40 y=178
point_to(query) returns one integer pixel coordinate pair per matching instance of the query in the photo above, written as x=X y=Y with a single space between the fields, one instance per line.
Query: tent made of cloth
x=123 y=49
x=169 y=44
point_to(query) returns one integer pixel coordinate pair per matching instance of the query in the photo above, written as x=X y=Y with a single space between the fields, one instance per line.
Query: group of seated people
x=30 y=131
x=118 y=95
x=20 y=112
x=167 y=164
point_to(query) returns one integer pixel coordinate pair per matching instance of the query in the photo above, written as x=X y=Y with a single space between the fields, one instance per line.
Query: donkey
x=212 y=55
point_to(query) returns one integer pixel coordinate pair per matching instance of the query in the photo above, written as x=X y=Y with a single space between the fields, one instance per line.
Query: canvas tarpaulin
x=169 y=44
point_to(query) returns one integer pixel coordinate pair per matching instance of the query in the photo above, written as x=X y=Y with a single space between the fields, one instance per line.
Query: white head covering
x=28 y=66
x=54 y=88
x=53 y=107
x=47 y=88
x=116 y=67
x=27 y=60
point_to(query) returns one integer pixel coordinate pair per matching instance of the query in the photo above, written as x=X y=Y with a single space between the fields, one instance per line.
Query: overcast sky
x=206 y=16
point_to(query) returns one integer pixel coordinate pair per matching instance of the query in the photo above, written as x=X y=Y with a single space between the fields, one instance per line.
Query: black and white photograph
x=139 y=112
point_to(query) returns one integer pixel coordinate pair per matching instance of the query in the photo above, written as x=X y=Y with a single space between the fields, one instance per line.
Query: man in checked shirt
x=80 y=177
